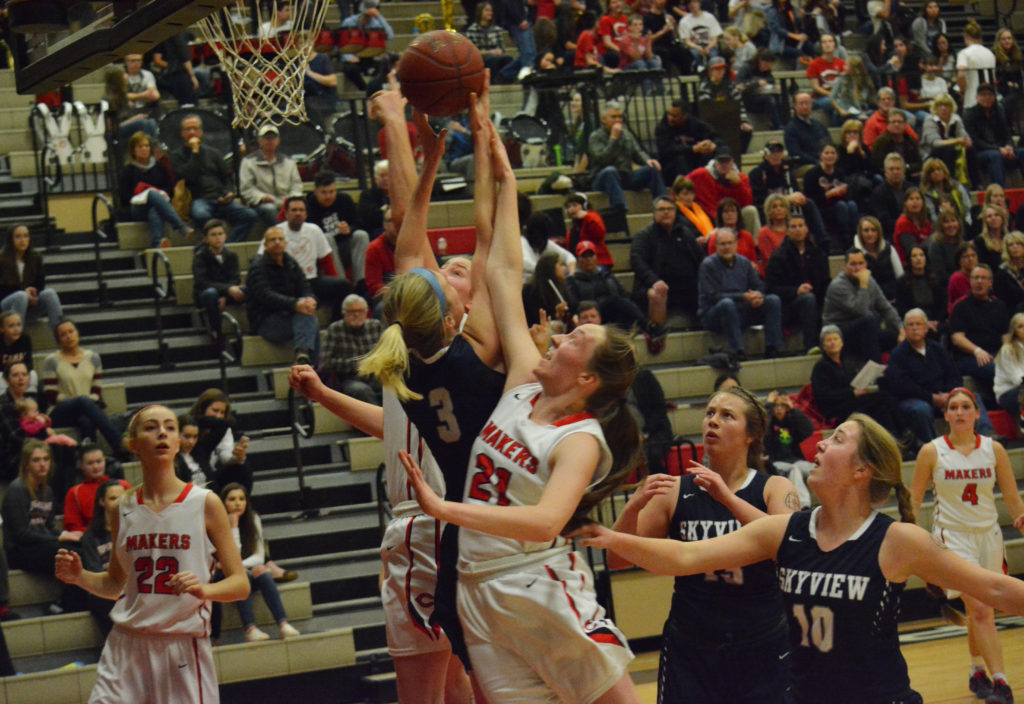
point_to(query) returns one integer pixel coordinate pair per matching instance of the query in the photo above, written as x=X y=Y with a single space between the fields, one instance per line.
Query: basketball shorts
x=155 y=669
x=984 y=549
x=410 y=554
x=536 y=633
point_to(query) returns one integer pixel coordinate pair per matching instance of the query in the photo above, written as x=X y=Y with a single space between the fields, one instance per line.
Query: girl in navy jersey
x=963 y=468
x=726 y=616
x=558 y=442
x=167 y=534
x=842 y=569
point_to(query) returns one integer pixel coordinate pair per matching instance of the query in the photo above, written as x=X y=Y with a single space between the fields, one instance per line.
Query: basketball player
x=167 y=536
x=842 y=569
x=727 y=616
x=533 y=627
x=964 y=467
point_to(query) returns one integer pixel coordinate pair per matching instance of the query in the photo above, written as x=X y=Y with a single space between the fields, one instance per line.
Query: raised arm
x=389 y=106
x=413 y=248
x=107 y=584
x=366 y=416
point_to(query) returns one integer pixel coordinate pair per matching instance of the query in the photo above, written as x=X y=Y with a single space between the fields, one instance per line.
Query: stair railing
x=227 y=353
x=99 y=236
x=303 y=425
x=161 y=291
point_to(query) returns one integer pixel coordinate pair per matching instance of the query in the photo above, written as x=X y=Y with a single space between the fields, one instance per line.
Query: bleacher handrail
x=301 y=430
x=99 y=235
x=160 y=293
x=224 y=353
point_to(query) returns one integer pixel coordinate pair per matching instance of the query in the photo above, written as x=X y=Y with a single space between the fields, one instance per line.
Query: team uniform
x=459 y=392
x=159 y=650
x=965 y=517
x=410 y=549
x=533 y=627
x=842 y=615
x=724 y=617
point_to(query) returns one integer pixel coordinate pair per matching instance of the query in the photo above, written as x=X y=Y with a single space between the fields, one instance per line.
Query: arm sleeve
x=73 y=518
x=251 y=195
x=17 y=521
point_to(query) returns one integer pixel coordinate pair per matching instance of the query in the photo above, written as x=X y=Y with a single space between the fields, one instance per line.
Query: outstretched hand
x=710 y=481
x=429 y=501
x=388 y=104
x=480 y=105
x=499 y=158
x=654 y=485
x=540 y=333
x=304 y=379
x=432 y=142
x=593 y=535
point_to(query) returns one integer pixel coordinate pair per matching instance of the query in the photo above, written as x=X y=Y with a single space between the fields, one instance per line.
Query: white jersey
x=401 y=434
x=978 y=60
x=509 y=467
x=963 y=486
x=153 y=547
x=307 y=246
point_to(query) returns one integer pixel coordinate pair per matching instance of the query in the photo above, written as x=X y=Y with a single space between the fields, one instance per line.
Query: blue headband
x=431 y=278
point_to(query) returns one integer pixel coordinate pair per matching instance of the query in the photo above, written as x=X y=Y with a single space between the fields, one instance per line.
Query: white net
x=265 y=54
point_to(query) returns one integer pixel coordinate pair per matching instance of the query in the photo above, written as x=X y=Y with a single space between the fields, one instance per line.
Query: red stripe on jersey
x=414 y=615
x=184 y=493
x=604 y=638
x=199 y=671
x=565 y=590
x=568 y=420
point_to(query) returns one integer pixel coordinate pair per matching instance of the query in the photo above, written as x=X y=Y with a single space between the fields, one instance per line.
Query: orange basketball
x=439 y=70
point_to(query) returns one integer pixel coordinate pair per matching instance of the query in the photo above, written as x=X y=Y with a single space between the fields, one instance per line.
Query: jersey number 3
x=448 y=426
x=166 y=567
x=489 y=481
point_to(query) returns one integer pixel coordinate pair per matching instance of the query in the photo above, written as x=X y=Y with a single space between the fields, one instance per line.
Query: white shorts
x=537 y=633
x=410 y=553
x=984 y=549
x=155 y=669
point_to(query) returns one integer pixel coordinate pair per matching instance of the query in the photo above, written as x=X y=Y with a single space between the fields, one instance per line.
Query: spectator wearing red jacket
x=80 y=499
x=586 y=226
x=380 y=259
x=722 y=178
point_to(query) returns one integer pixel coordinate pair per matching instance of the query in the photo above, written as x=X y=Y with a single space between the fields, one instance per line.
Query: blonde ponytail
x=389 y=362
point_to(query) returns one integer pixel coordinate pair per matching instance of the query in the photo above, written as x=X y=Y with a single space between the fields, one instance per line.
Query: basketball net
x=266 y=72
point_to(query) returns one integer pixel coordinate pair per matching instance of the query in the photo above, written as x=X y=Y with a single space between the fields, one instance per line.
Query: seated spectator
x=877 y=59
x=611 y=28
x=123 y=120
x=355 y=68
x=699 y=32
x=855 y=302
x=372 y=201
x=996 y=195
x=636 y=54
x=39 y=426
x=587 y=53
x=684 y=141
x=888 y=196
x=1009 y=277
x=73 y=384
x=882 y=260
x=824 y=70
x=97 y=546
x=186 y=467
x=798 y=274
x=904 y=66
x=546 y=290
x=216 y=276
x=994 y=229
x=827 y=188
x=748 y=15
x=279 y=299
x=320 y=87
x=855 y=162
x=919 y=287
x=140 y=88
x=334 y=212
x=208 y=179
x=762 y=93
x=16 y=347
x=537 y=240
x=776 y=175
x=937 y=183
x=685 y=194
x=920 y=374
x=646 y=399
x=944 y=245
x=728 y=218
x=991 y=137
x=1009 y=365
x=171 y=62
x=878 y=123
x=280 y=21
x=661 y=26
x=786 y=38
x=613 y=150
x=586 y=226
x=11 y=435
x=743 y=49
x=665 y=259
x=959 y=285
x=718 y=85
x=267 y=178
x=895 y=140
x=380 y=259
x=221 y=457
x=920 y=100
x=977 y=324
x=146 y=189
x=732 y=297
x=836 y=398
x=722 y=178
x=804 y=136
x=600 y=287
x=773 y=234
x=80 y=501
x=23 y=280
x=489 y=38
x=853 y=93
x=913 y=227
x=788 y=427
x=346 y=342
x=927 y=27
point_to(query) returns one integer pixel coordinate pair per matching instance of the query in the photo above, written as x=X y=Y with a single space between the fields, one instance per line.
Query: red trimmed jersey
x=964 y=485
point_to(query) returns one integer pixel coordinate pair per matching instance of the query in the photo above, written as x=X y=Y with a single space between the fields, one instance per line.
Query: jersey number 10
x=816 y=630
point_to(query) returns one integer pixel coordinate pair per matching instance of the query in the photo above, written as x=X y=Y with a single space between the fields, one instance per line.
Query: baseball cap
x=370 y=4
x=268 y=129
x=986 y=86
x=585 y=246
x=716 y=61
x=775 y=145
x=723 y=153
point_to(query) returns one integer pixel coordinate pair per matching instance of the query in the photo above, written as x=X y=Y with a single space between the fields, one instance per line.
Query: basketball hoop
x=265 y=63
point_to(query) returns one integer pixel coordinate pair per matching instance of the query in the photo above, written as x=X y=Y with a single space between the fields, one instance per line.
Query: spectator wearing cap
x=613 y=151
x=369 y=19
x=804 y=136
x=731 y=297
x=990 y=132
x=266 y=177
x=684 y=141
x=586 y=226
x=721 y=178
x=718 y=85
x=775 y=176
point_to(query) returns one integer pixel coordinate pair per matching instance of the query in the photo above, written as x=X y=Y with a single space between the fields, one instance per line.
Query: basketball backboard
x=81 y=37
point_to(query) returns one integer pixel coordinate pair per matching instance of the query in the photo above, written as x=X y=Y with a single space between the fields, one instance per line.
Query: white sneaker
x=288 y=630
x=254 y=635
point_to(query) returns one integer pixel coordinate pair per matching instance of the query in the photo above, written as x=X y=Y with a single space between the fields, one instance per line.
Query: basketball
x=439 y=70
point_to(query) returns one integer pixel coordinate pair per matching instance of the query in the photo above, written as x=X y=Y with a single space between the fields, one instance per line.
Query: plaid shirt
x=344 y=346
x=486 y=38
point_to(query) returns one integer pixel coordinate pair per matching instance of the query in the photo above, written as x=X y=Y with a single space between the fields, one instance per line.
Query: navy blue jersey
x=743 y=602
x=459 y=393
x=842 y=617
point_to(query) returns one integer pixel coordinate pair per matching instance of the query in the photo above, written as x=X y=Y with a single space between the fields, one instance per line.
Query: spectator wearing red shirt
x=728 y=218
x=824 y=71
x=586 y=226
x=587 y=54
x=380 y=259
x=610 y=30
x=877 y=124
x=721 y=178
x=913 y=227
x=80 y=499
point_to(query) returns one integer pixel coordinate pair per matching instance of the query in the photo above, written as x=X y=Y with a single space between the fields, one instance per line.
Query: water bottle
x=558 y=155
x=442 y=246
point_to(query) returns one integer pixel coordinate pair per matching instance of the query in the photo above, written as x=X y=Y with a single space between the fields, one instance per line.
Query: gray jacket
x=258 y=177
x=621 y=153
x=845 y=301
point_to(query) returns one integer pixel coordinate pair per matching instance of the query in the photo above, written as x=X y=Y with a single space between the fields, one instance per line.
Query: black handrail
x=100 y=234
x=225 y=356
x=159 y=294
x=46 y=186
x=297 y=413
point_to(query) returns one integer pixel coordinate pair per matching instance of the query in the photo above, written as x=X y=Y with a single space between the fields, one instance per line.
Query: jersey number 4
x=970 y=495
x=448 y=425
x=166 y=567
x=816 y=630
x=489 y=482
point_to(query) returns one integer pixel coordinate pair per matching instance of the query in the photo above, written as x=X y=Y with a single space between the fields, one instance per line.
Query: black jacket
x=205 y=173
x=787 y=269
x=32 y=275
x=207 y=272
x=270 y=288
x=594 y=286
x=673 y=257
x=988 y=129
x=133 y=174
x=910 y=374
